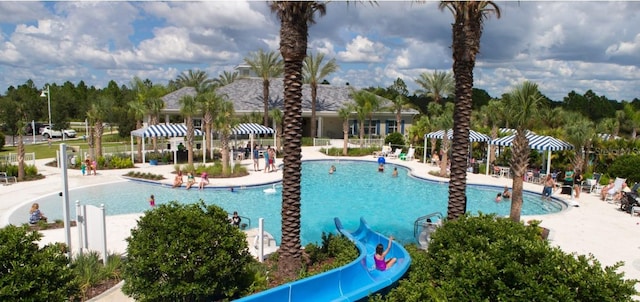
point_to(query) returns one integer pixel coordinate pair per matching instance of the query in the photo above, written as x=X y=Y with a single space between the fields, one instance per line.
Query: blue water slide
x=351 y=282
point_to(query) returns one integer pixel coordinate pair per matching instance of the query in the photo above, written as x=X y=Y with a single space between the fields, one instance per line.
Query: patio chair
x=617 y=186
x=384 y=152
x=396 y=153
x=588 y=185
x=409 y=155
x=7 y=179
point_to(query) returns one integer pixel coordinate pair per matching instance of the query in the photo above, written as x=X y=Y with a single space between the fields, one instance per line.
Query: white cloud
x=361 y=49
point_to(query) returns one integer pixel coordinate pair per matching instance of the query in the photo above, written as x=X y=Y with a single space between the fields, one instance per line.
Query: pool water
x=390 y=205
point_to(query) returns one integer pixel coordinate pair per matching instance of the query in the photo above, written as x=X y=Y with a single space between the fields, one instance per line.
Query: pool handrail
x=351 y=282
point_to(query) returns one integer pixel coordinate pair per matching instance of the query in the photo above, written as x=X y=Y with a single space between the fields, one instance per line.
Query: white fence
x=12 y=158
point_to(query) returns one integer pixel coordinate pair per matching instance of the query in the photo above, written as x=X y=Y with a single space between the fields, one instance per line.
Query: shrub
x=333 y=246
x=31 y=273
x=487 y=258
x=626 y=166
x=186 y=253
x=2 y=141
x=91 y=271
x=396 y=139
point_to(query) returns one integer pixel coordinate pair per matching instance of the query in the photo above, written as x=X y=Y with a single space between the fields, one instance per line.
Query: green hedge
x=487 y=258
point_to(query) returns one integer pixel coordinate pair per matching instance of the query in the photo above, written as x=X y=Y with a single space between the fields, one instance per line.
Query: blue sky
x=562 y=46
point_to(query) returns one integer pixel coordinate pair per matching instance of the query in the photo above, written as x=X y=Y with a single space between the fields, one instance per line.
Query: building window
x=197 y=123
x=370 y=127
x=353 y=127
x=392 y=127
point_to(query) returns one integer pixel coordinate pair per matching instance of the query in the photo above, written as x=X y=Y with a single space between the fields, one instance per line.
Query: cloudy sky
x=562 y=46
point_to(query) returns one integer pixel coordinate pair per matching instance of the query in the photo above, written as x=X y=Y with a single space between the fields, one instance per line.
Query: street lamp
x=47 y=92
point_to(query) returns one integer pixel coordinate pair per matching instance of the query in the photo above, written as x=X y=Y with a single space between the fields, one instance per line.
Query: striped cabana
x=536 y=142
x=252 y=129
x=474 y=136
x=161 y=130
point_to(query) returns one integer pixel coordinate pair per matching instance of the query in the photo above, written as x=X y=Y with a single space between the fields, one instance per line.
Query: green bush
x=91 y=271
x=333 y=246
x=2 y=141
x=31 y=273
x=626 y=166
x=396 y=139
x=187 y=253
x=487 y=258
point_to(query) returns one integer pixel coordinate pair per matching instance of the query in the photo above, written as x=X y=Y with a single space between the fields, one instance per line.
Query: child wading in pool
x=381 y=253
x=152 y=201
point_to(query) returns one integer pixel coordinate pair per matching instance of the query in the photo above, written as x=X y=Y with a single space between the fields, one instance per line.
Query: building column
x=319 y=129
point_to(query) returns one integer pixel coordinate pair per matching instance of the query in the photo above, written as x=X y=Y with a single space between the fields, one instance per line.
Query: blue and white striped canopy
x=251 y=128
x=473 y=135
x=537 y=142
x=167 y=130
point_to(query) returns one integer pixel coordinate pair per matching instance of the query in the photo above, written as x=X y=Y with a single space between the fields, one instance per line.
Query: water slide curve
x=351 y=282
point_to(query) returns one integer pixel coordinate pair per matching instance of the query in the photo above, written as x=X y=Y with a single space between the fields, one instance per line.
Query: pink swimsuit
x=380 y=264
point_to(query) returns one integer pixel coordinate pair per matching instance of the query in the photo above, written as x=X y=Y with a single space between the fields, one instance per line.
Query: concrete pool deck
x=594 y=227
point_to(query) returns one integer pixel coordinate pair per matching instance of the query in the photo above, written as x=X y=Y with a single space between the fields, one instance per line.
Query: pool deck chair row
x=6 y=180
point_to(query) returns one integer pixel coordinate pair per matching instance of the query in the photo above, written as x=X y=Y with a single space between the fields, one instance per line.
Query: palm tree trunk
x=345 y=137
x=154 y=140
x=361 y=132
x=21 y=172
x=224 y=140
x=398 y=120
x=98 y=129
x=444 y=148
x=190 y=140
x=519 y=160
x=314 y=94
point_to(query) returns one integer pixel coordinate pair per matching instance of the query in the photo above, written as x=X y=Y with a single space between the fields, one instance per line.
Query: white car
x=47 y=132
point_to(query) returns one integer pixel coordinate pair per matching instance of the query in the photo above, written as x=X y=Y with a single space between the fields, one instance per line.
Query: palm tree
x=444 y=122
x=226 y=78
x=580 y=133
x=364 y=102
x=295 y=18
x=435 y=85
x=154 y=105
x=224 y=122
x=400 y=101
x=633 y=118
x=138 y=110
x=494 y=116
x=524 y=104
x=435 y=110
x=209 y=103
x=345 y=113
x=276 y=116
x=189 y=108
x=313 y=71
x=197 y=79
x=97 y=113
x=467 y=30
x=266 y=65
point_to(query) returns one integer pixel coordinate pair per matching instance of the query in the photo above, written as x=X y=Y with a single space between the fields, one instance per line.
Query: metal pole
x=261 y=239
x=49 y=104
x=33 y=131
x=62 y=161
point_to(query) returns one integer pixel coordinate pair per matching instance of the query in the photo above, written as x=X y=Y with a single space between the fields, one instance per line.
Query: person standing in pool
x=235 y=220
x=152 y=201
x=395 y=172
x=381 y=253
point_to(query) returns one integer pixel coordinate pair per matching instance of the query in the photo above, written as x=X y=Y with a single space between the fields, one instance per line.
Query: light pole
x=48 y=93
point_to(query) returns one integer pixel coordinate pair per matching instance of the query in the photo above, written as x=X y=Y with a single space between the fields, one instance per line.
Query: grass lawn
x=42 y=150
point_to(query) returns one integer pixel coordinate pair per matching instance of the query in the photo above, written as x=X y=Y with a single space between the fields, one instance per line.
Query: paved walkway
x=594 y=226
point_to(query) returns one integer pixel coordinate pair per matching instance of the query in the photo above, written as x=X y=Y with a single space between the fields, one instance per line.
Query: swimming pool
x=390 y=205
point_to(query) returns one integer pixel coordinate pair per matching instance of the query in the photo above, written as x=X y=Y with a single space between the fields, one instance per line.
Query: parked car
x=28 y=130
x=47 y=132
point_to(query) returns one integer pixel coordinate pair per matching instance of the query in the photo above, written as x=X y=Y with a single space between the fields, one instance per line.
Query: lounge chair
x=384 y=152
x=617 y=186
x=7 y=179
x=590 y=184
x=409 y=155
x=396 y=153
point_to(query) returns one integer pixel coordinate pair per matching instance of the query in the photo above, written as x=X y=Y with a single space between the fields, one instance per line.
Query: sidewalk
x=594 y=226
